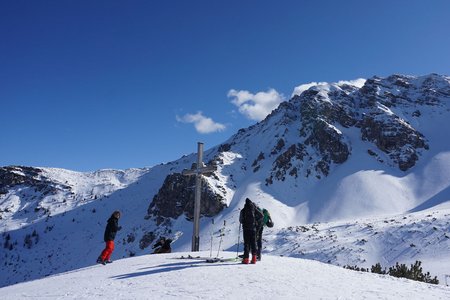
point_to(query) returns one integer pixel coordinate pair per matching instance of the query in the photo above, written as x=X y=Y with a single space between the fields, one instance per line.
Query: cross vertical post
x=198 y=171
x=198 y=191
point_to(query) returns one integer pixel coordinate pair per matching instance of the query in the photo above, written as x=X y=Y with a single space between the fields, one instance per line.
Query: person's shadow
x=162 y=269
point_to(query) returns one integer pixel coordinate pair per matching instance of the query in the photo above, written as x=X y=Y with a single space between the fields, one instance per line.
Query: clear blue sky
x=86 y=85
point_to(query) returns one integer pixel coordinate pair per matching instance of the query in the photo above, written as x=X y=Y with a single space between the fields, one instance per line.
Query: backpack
x=267 y=218
x=247 y=217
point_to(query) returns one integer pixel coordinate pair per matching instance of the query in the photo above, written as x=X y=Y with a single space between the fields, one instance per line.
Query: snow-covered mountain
x=352 y=173
x=165 y=277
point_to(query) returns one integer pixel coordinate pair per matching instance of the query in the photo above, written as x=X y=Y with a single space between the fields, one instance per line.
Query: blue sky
x=86 y=85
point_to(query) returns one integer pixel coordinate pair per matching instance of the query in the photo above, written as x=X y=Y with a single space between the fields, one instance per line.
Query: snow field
x=165 y=277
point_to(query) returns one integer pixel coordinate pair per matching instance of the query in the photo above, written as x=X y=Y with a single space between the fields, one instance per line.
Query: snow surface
x=166 y=277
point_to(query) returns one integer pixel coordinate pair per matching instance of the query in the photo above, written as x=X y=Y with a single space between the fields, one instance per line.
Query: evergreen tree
x=377 y=269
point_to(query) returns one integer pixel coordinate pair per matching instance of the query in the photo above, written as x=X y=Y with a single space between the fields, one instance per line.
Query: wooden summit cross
x=198 y=171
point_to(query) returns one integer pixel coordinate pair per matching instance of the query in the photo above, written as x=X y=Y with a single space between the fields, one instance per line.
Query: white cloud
x=202 y=124
x=256 y=106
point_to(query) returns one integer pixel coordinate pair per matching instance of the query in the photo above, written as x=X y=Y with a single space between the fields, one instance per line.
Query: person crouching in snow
x=162 y=246
x=248 y=221
x=110 y=233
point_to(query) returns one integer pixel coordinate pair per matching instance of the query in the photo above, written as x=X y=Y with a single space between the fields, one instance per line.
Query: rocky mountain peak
x=315 y=125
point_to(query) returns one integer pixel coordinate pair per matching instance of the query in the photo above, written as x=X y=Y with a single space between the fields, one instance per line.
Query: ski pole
x=211 y=231
x=239 y=236
x=222 y=233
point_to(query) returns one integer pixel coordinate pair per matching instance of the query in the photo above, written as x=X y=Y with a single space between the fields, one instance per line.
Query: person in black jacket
x=162 y=246
x=266 y=221
x=110 y=234
x=249 y=221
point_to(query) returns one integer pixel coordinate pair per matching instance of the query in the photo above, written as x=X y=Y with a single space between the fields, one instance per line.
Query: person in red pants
x=110 y=233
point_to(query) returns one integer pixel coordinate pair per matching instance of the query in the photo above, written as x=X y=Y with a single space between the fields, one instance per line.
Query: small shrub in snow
x=400 y=270
x=414 y=273
x=376 y=268
x=356 y=268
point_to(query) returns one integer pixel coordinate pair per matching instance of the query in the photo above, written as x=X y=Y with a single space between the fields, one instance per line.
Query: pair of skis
x=210 y=259
x=220 y=259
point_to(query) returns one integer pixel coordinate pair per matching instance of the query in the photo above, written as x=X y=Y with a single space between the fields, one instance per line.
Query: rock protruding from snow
x=176 y=197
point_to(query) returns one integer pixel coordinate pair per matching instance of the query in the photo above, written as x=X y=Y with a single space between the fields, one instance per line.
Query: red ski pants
x=106 y=253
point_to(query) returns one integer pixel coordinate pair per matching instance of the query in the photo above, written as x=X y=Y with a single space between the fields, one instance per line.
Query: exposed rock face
x=329 y=141
x=395 y=137
x=177 y=195
x=224 y=147
x=17 y=175
x=255 y=164
x=280 y=145
x=284 y=162
x=147 y=239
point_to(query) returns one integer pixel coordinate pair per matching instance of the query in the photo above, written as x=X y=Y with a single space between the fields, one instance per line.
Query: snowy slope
x=54 y=220
x=69 y=223
x=405 y=238
x=163 y=277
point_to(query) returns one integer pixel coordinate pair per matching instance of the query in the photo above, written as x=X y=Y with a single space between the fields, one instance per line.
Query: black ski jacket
x=163 y=243
x=111 y=229
x=249 y=217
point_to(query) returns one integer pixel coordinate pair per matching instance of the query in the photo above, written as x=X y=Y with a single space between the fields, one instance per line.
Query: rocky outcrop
x=18 y=175
x=176 y=197
x=280 y=145
x=395 y=137
x=288 y=162
x=256 y=163
x=329 y=142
